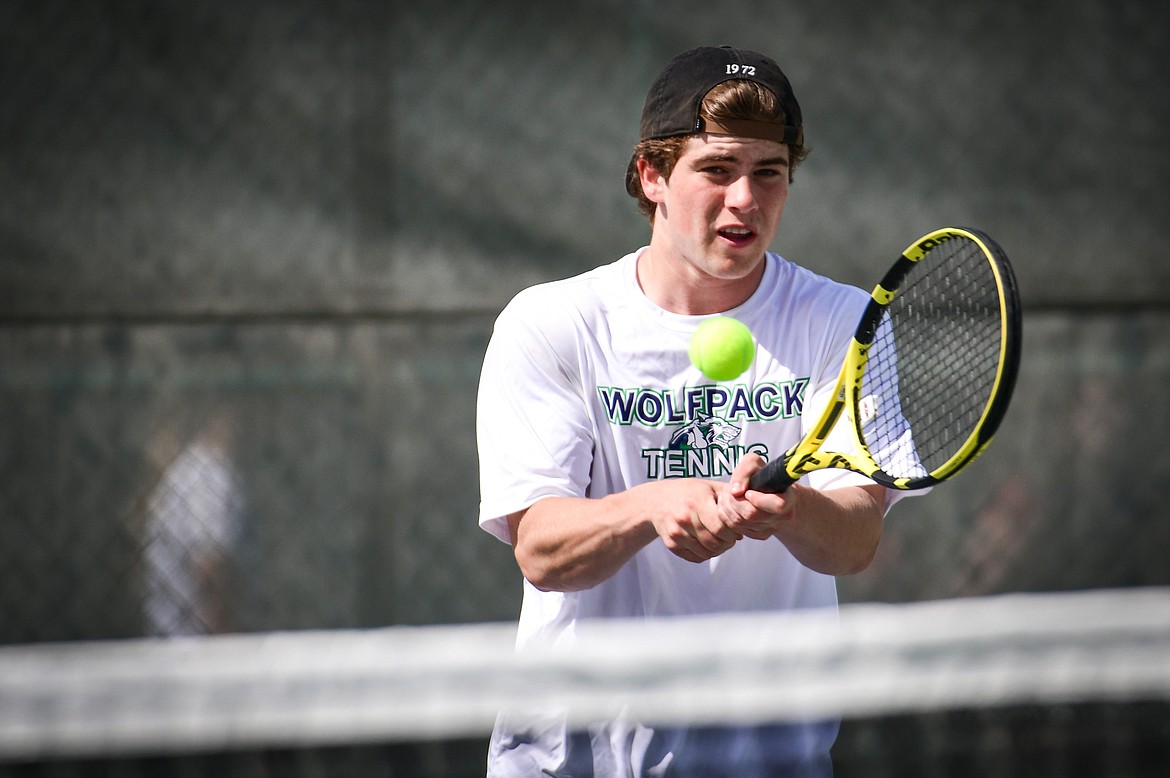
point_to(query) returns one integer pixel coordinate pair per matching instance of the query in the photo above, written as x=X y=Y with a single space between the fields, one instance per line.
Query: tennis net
x=1049 y=684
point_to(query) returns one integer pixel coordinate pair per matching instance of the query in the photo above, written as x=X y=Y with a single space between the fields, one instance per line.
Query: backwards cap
x=672 y=104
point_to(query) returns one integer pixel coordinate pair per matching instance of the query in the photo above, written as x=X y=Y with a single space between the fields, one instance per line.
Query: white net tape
x=407 y=683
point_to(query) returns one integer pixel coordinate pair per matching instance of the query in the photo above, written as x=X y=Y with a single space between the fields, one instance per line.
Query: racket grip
x=772 y=477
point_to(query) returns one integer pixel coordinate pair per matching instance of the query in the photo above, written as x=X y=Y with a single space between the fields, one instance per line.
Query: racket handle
x=772 y=477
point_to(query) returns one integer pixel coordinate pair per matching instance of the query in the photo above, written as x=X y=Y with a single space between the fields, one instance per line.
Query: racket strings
x=934 y=361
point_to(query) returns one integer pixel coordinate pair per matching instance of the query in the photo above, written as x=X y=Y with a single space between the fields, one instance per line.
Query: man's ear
x=653 y=182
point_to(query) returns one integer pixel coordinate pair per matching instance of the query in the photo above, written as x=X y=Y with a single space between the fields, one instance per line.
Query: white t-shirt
x=587 y=390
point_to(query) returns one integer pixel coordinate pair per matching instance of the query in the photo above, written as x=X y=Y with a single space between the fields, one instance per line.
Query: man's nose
x=741 y=195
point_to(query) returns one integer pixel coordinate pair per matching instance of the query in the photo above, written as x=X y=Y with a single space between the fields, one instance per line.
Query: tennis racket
x=929 y=373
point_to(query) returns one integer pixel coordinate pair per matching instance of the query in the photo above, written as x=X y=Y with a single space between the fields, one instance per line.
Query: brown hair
x=728 y=100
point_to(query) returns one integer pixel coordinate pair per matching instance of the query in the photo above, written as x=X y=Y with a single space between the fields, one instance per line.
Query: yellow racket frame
x=807 y=456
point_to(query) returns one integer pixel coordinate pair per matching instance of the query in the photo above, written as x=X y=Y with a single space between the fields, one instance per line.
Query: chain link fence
x=183 y=478
x=251 y=254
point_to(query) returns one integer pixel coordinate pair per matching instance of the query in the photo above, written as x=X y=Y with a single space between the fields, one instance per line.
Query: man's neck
x=680 y=287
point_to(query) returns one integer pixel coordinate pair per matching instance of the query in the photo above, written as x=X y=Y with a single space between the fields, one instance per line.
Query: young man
x=586 y=387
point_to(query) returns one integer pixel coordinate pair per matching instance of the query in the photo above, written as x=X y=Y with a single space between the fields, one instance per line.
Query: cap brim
x=631 y=176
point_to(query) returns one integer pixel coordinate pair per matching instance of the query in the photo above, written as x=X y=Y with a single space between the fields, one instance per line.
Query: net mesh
x=935 y=360
x=1059 y=685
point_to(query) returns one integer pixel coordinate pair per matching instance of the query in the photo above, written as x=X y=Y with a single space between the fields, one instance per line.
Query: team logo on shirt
x=703 y=432
x=704 y=422
x=702 y=448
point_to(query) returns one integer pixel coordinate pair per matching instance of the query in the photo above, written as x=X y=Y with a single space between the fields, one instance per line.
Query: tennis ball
x=722 y=348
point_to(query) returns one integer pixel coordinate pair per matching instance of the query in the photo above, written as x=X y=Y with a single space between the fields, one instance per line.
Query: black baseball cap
x=672 y=104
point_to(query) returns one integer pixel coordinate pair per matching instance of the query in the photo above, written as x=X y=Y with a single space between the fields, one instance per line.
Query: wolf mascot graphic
x=702 y=432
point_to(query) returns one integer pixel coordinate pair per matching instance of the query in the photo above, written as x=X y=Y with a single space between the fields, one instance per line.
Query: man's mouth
x=737 y=235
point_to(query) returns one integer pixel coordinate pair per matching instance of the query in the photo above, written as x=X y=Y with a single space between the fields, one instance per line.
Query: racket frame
x=845 y=400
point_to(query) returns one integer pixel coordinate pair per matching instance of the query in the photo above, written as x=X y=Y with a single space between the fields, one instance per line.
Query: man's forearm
x=835 y=532
x=573 y=543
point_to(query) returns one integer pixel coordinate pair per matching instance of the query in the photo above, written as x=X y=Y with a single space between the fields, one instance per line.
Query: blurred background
x=251 y=253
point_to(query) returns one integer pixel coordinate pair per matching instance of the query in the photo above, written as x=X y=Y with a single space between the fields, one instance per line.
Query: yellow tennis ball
x=722 y=348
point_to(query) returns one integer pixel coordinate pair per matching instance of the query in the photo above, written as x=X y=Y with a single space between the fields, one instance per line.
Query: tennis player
x=618 y=472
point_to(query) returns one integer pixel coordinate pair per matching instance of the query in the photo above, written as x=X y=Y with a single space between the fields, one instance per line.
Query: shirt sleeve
x=533 y=432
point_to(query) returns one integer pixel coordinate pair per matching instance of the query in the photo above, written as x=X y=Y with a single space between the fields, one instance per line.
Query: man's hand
x=686 y=515
x=835 y=532
x=757 y=515
x=572 y=543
